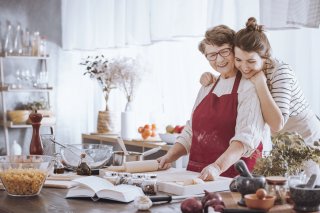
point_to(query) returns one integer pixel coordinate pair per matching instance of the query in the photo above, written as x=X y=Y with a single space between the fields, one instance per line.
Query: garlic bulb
x=142 y=202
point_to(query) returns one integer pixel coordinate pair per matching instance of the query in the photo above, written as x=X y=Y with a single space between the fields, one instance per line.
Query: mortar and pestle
x=306 y=197
x=247 y=183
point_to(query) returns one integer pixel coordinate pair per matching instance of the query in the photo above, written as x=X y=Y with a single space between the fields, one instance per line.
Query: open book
x=96 y=188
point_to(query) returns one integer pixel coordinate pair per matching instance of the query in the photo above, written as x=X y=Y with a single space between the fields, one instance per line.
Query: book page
x=95 y=183
x=80 y=191
x=123 y=193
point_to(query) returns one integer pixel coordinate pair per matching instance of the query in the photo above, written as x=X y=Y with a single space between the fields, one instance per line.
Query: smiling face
x=222 y=64
x=248 y=63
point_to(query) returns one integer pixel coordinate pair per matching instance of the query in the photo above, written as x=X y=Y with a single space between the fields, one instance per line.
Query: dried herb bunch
x=289 y=152
x=98 y=68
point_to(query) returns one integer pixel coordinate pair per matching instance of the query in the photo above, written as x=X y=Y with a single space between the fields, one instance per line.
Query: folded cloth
x=66 y=176
x=60 y=184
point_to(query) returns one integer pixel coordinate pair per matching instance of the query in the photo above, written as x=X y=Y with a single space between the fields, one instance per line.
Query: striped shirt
x=285 y=90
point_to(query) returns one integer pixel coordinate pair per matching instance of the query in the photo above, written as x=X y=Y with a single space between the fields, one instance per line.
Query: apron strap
x=236 y=83
x=215 y=84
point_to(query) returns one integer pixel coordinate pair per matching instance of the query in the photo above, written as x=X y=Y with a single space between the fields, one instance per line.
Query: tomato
x=147 y=126
x=140 y=129
x=146 y=133
x=153 y=126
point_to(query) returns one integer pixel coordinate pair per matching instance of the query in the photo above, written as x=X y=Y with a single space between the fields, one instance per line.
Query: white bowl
x=168 y=138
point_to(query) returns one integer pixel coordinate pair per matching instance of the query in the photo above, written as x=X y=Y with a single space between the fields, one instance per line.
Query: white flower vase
x=128 y=128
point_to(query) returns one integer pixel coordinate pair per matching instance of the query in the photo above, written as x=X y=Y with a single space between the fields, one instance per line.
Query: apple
x=181 y=128
x=177 y=129
x=169 y=129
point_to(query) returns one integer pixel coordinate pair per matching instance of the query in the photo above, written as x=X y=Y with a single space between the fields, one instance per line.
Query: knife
x=169 y=198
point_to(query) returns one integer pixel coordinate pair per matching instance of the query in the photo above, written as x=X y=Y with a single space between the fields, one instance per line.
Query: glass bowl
x=97 y=155
x=24 y=175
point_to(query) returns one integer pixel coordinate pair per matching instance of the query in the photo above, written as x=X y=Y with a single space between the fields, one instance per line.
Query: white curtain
x=290 y=14
x=98 y=24
x=165 y=34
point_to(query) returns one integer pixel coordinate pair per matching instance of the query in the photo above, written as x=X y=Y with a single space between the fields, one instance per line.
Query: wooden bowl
x=252 y=201
x=19 y=116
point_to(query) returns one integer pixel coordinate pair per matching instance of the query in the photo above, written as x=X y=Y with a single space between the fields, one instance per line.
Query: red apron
x=213 y=125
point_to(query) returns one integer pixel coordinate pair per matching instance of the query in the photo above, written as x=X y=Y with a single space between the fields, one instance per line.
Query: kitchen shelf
x=26 y=57
x=10 y=124
x=6 y=90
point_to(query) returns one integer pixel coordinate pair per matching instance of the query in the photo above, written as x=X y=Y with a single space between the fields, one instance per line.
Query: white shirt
x=250 y=127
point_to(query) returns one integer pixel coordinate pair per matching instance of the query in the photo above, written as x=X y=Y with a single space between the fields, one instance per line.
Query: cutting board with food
x=182 y=182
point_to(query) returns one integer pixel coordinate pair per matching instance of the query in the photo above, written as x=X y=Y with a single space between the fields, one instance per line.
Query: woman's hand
x=164 y=162
x=207 y=78
x=210 y=172
x=258 y=78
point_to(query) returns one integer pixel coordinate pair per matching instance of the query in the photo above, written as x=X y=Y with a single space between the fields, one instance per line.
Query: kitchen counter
x=52 y=200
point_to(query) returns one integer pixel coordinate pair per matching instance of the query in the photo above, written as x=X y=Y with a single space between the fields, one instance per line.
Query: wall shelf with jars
x=24 y=77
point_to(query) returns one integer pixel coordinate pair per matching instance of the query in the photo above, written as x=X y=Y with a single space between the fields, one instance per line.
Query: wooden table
x=52 y=200
x=112 y=139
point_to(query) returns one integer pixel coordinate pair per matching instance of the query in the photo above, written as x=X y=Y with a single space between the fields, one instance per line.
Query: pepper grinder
x=36 y=147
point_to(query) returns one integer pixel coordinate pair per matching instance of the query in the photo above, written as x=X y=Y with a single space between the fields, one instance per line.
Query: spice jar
x=276 y=186
x=58 y=166
x=149 y=185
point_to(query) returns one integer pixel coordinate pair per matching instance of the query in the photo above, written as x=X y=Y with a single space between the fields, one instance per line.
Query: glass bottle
x=149 y=185
x=8 y=44
x=83 y=168
x=36 y=147
x=27 y=46
x=58 y=166
x=35 y=44
x=17 y=44
x=276 y=186
x=43 y=47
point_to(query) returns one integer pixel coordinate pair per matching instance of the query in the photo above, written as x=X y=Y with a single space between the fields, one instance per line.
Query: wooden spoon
x=122 y=145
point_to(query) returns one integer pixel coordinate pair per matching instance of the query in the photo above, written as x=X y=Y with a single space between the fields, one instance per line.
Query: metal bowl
x=97 y=155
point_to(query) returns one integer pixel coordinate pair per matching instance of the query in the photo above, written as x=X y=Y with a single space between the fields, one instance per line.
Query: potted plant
x=288 y=155
x=97 y=67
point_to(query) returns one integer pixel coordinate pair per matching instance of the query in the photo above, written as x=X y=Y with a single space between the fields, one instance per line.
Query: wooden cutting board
x=172 y=181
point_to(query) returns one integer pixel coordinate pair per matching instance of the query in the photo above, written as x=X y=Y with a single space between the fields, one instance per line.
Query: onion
x=191 y=205
x=209 y=196
x=214 y=203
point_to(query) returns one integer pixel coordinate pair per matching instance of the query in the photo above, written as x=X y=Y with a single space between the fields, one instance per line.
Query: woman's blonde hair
x=253 y=39
x=219 y=36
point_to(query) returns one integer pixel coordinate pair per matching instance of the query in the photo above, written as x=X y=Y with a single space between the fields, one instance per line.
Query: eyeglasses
x=224 y=53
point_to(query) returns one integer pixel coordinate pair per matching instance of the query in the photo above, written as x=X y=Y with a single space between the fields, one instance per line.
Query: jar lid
x=276 y=180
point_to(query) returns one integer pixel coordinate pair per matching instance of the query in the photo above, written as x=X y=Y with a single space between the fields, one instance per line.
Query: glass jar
x=149 y=186
x=276 y=186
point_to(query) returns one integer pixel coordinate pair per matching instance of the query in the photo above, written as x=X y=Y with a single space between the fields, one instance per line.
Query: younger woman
x=283 y=104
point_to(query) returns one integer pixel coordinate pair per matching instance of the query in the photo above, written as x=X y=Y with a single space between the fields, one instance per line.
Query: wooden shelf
x=8 y=89
x=11 y=125
x=26 y=57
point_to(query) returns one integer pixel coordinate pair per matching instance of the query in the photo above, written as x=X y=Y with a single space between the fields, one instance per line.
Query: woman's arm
x=227 y=159
x=270 y=110
x=172 y=155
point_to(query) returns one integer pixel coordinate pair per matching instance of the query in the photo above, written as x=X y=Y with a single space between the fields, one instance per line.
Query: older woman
x=226 y=122
x=283 y=104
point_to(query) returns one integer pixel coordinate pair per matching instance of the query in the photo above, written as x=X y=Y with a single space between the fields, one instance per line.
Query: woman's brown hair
x=219 y=36
x=253 y=39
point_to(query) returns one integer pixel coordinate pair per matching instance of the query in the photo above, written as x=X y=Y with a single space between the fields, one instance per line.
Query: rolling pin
x=141 y=166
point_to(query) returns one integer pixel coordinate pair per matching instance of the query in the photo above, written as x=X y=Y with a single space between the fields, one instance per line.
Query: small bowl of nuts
x=24 y=175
